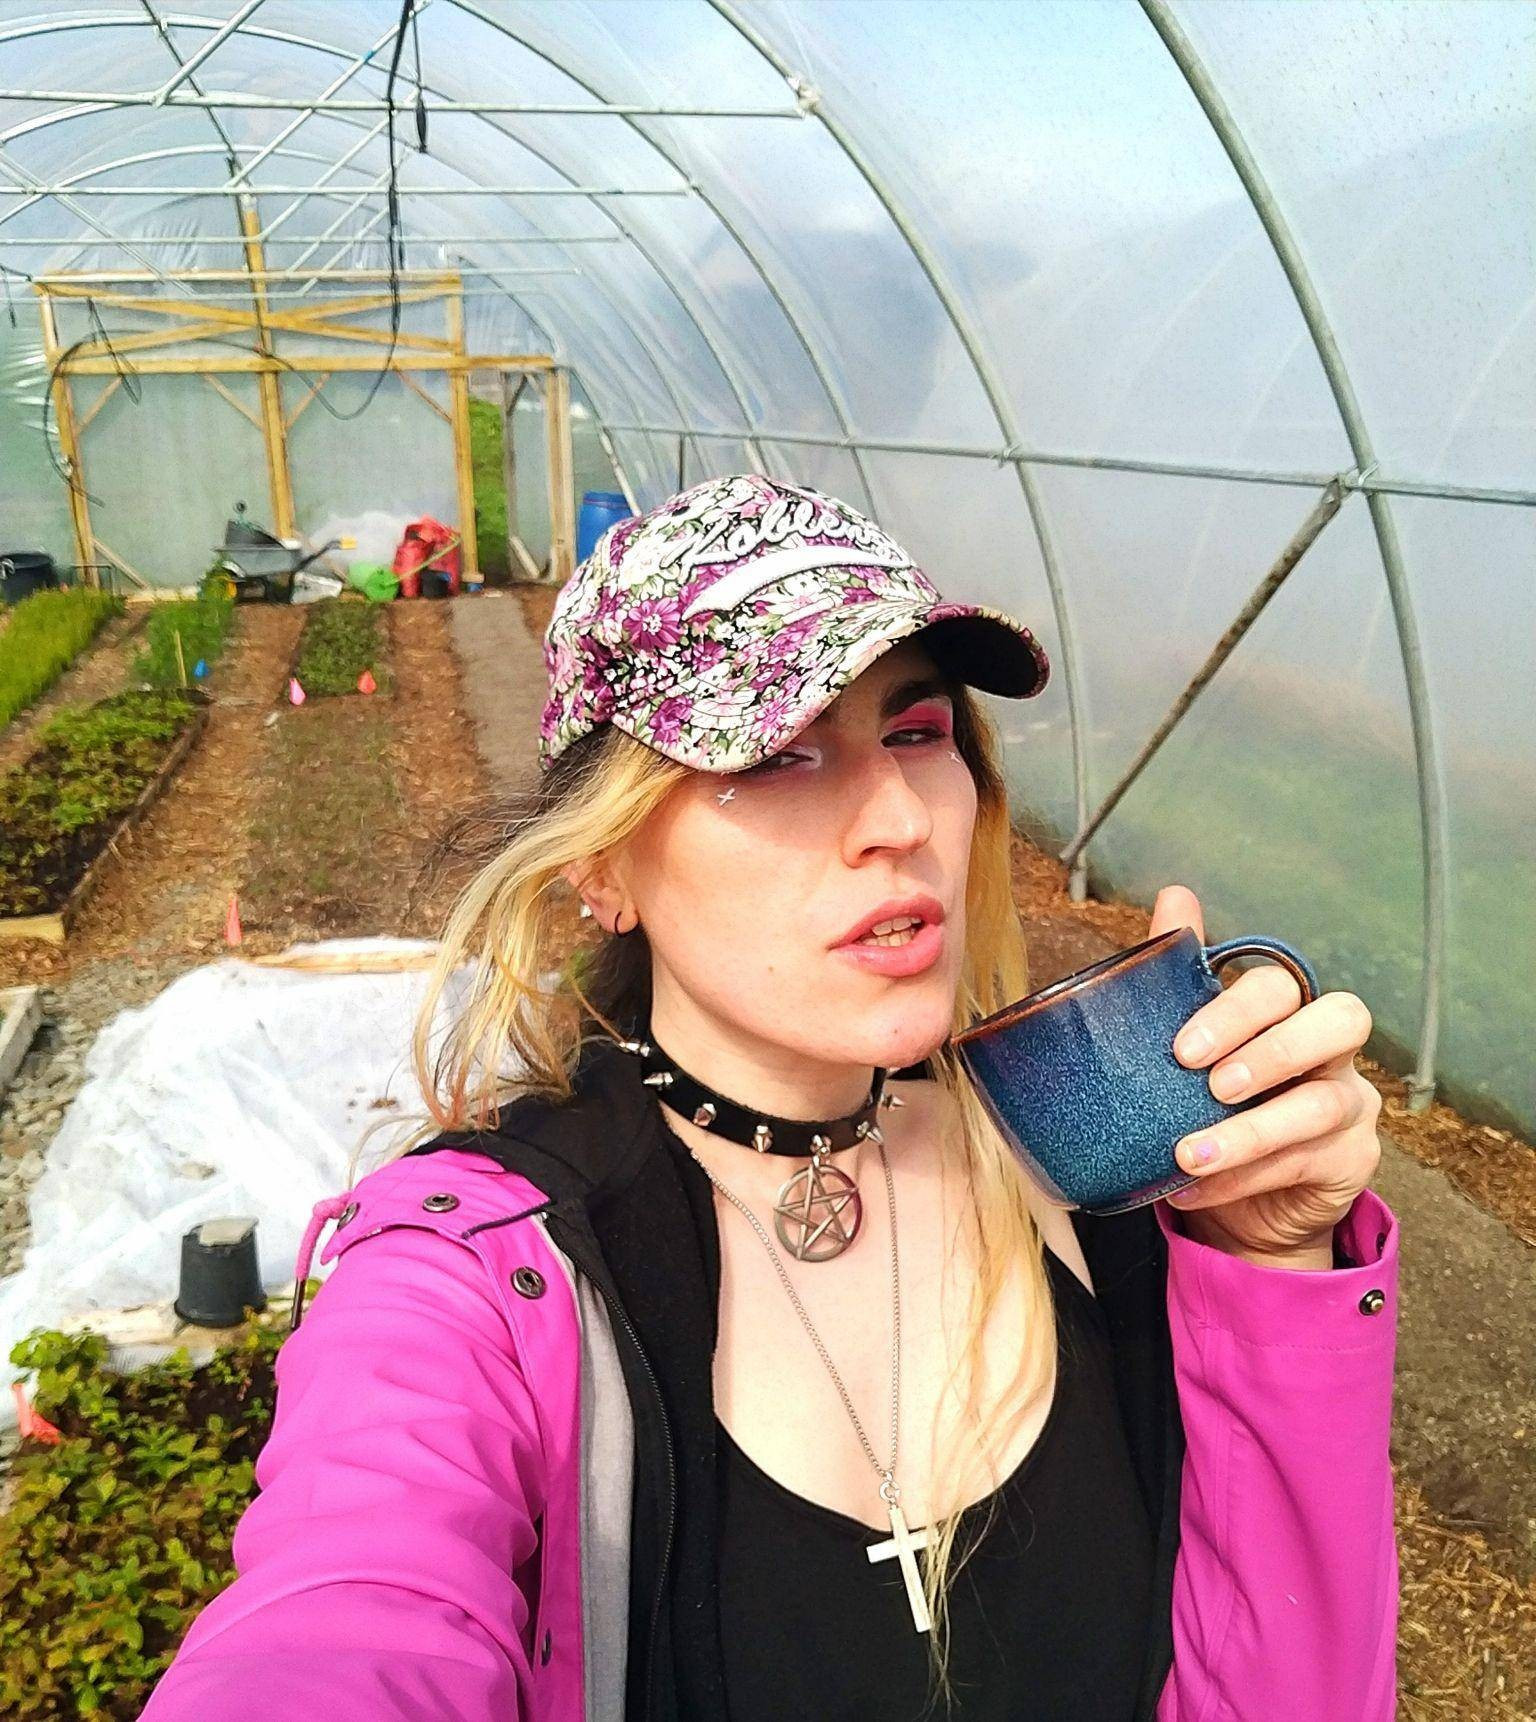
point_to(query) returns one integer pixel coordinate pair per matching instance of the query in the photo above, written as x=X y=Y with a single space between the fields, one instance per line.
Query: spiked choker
x=763 y=1131
x=818 y=1212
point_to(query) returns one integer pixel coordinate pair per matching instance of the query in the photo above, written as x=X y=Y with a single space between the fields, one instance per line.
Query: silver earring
x=586 y=911
x=722 y=799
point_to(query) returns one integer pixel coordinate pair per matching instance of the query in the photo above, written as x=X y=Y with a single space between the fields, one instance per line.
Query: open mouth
x=902 y=931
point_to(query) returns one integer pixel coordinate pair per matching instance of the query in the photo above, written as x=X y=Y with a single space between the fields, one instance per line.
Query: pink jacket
x=423 y=1542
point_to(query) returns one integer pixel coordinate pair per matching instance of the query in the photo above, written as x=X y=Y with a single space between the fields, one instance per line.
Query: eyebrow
x=903 y=694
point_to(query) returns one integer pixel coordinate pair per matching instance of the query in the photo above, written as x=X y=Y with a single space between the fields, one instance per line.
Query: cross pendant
x=900 y=1544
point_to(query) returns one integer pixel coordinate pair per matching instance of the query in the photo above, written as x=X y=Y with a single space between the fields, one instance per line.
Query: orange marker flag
x=30 y=1422
x=233 y=935
x=366 y=684
x=296 y=694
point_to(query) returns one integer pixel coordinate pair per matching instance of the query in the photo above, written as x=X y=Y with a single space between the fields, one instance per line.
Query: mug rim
x=1096 y=971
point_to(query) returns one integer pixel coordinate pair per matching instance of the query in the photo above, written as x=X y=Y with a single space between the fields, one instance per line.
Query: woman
x=733 y=1367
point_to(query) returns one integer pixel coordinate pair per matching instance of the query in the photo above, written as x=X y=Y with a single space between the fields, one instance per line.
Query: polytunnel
x=1196 y=333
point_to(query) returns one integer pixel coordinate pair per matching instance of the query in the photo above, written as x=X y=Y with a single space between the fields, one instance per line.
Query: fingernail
x=1230 y=1081
x=1200 y=1153
x=1193 y=1043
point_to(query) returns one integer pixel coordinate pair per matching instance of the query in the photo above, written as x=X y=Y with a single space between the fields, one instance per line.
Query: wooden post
x=562 y=476
x=269 y=383
x=511 y=387
x=463 y=447
x=69 y=442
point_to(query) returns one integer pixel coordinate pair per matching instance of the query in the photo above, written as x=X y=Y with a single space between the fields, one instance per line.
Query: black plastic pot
x=220 y=1274
x=23 y=572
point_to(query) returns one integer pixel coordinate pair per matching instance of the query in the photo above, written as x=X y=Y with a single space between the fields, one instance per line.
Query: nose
x=888 y=810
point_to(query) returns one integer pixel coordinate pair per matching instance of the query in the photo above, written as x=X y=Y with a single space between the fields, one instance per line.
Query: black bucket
x=220 y=1275
x=23 y=572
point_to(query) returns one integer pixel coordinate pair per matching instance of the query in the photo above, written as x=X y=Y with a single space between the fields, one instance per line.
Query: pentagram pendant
x=818 y=1212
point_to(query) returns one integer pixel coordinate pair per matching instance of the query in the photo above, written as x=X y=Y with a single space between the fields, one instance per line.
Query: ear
x=595 y=886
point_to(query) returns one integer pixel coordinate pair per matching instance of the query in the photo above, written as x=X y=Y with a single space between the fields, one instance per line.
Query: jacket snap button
x=440 y=1203
x=347 y=1214
x=1373 y=1303
x=528 y=1281
x=545 y=1648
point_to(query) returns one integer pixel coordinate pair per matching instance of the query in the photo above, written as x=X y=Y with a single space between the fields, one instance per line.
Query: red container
x=427 y=545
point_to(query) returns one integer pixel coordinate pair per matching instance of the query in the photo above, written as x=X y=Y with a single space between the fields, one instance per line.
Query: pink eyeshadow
x=930 y=713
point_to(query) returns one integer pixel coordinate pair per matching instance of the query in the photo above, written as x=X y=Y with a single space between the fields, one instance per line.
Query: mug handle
x=1259 y=946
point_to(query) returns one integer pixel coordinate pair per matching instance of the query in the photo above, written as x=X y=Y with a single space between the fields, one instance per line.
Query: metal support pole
x=620 y=476
x=988 y=374
x=158 y=98
x=657 y=263
x=799 y=329
x=205 y=241
x=1433 y=815
x=1371 y=484
x=365 y=105
x=303 y=191
x=1327 y=506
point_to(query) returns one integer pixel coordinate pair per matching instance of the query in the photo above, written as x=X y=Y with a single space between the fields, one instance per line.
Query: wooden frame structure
x=258 y=323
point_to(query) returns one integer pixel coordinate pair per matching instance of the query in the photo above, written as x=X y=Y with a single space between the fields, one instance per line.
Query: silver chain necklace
x=902 y=1543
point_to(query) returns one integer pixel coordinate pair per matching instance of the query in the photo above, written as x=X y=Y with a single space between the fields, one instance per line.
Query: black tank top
x=1048 y=1618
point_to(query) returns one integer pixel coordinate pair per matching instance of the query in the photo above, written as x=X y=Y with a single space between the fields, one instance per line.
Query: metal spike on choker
x=818 y=1210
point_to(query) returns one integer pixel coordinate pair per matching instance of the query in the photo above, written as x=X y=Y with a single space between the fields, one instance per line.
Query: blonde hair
x=515 y=923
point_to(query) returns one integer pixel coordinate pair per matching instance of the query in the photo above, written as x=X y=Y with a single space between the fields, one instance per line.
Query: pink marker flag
x=296 y=694
x=30 y=1422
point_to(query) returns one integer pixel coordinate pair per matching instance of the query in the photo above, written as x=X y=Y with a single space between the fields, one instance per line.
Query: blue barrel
x=599 y=510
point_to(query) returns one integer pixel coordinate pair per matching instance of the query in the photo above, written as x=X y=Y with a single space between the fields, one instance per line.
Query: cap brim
x=980 y=646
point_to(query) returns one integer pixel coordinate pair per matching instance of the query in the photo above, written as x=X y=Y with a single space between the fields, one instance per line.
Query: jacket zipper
x=666 y=1429
x=572 y=1246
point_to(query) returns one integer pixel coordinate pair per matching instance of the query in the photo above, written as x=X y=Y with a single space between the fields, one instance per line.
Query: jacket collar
x=585 y=1147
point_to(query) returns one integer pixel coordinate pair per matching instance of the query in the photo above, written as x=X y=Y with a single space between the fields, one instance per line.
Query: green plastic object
x=374 y=581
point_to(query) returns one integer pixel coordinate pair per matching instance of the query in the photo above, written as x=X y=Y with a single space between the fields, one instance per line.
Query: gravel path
x=33 y=1104
x=504 y=682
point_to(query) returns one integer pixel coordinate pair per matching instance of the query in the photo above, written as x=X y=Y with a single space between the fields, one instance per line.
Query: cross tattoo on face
x=901 y=1546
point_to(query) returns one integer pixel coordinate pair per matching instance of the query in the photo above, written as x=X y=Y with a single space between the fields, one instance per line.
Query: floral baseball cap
x=717 y=626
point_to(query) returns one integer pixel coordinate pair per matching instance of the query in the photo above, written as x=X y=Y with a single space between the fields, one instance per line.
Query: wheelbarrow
x=258 y=567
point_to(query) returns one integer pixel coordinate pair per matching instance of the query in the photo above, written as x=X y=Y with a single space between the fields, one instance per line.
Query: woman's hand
x=1282 y=1174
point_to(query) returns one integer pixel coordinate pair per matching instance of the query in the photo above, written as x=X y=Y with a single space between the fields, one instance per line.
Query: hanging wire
x=126 y=375
x=6 y=272
x=421 y=102
x=394 y=237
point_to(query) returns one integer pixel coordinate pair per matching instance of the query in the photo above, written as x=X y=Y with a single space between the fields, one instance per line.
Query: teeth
x=901 y=931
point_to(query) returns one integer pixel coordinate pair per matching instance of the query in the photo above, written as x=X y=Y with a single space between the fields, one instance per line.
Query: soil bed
x=65 y=804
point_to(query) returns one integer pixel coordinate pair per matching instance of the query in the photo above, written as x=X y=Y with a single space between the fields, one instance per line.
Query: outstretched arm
x=399 y=1489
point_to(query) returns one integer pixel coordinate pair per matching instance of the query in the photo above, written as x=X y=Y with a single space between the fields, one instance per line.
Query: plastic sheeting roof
x=1088 y=303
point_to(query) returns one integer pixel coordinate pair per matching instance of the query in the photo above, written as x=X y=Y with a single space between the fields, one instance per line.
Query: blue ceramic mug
x=1081 y=1079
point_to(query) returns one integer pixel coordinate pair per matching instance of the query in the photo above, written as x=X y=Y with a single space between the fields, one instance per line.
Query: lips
x=927 y=909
